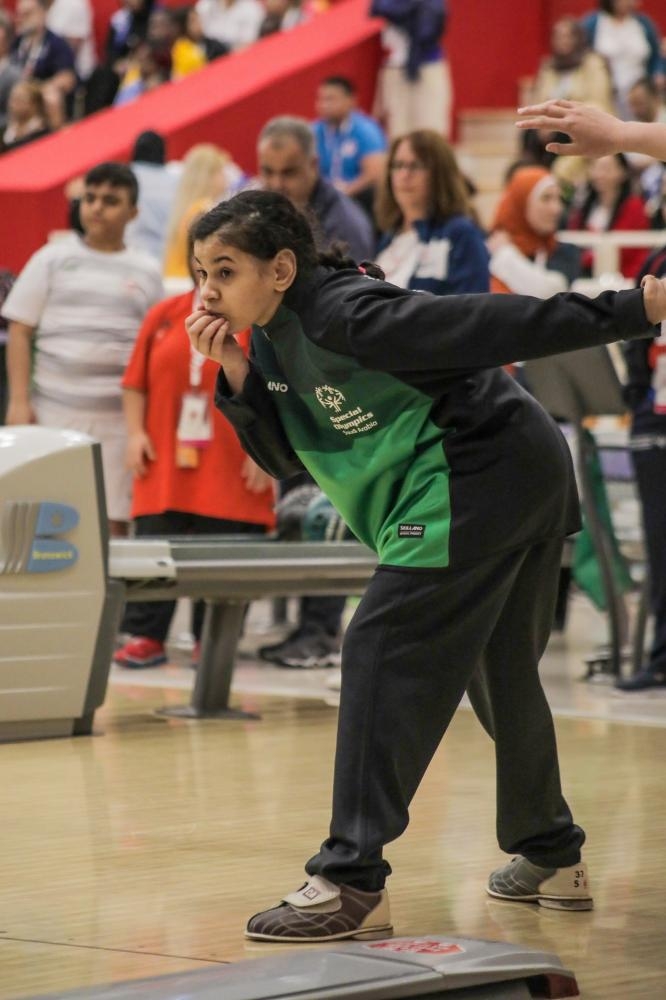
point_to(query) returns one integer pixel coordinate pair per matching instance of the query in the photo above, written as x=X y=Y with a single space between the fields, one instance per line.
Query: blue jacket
x=462 y=264
x=423 y=20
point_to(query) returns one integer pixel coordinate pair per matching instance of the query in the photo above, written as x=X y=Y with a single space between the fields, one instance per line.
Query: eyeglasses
x=411 y=166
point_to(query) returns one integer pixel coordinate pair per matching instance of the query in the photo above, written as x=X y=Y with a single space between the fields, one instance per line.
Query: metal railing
x=608 y=246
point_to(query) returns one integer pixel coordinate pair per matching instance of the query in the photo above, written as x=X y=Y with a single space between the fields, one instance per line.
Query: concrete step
x=489 y=130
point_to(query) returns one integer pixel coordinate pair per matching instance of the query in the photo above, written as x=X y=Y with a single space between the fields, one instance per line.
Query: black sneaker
x=642 y=680
x=321 y=911
x=304 y=651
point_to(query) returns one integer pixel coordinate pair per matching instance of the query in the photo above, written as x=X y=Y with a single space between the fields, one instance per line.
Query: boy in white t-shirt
x=82 y=300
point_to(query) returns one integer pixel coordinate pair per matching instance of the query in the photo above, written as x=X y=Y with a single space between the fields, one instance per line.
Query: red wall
x=492 y=43
x=226 y=103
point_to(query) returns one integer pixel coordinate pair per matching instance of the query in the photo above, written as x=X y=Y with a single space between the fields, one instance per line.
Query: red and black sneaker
x=140 y=652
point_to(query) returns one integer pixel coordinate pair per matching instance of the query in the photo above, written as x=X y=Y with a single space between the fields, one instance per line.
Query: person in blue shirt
x=351 y=145
x=430 y=241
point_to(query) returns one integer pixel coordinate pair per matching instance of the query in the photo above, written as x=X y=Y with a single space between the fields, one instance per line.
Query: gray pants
x=418 y=639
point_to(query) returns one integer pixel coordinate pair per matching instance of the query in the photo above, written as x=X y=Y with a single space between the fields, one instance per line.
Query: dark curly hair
x=261 y=223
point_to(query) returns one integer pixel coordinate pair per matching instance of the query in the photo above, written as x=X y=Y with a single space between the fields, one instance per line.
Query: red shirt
x=631 y=215
x=160 y=368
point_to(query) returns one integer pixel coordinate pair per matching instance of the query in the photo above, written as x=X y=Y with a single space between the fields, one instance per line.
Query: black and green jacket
x=396 y=403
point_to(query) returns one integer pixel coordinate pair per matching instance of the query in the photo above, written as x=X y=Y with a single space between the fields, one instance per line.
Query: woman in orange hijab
x=526 y=258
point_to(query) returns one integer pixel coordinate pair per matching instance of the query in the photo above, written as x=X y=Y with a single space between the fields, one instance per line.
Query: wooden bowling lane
x=143 y=851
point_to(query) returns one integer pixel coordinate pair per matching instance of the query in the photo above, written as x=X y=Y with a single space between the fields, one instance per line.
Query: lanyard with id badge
x=195 y=425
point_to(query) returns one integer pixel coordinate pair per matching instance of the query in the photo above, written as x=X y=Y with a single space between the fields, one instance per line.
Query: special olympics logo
x=330 y=398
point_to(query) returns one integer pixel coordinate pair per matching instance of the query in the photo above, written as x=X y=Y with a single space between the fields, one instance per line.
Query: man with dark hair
x=288 y=163
x=351 y=145
x=82 y=299
x=112 y=175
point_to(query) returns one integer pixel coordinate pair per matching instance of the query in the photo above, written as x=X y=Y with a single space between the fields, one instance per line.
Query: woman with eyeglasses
x=430 y=240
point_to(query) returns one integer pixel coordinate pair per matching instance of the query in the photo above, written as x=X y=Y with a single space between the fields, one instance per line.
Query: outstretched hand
x=592 y=132
x=654 y=298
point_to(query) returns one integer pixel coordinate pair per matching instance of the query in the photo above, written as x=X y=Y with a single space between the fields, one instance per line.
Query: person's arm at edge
x=593 y=132
x=140 y=448
x=395 y=331
x=372 y=169
x=19 y=342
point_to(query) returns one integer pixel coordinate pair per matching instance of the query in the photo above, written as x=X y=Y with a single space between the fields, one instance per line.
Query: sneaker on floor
x=642 y=680
x=140 y=652
x=554 y=888
x=304 y=650
x=322 y=911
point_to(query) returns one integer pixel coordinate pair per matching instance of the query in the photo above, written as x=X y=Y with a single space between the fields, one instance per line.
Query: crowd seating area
x=229 y=90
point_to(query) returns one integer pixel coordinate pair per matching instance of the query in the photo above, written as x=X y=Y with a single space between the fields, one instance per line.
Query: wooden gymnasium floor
x=141 y=851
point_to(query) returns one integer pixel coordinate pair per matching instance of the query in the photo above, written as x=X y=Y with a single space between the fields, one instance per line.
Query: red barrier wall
x=226 y=103
x=491 y=43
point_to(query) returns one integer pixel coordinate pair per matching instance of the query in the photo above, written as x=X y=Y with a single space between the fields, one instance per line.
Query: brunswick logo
x=31 y=537
x=330 y=398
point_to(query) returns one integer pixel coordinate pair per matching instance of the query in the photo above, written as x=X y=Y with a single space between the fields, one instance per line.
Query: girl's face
x=606 y=175
x=242 y=289
x=544 y=209
x=410 y=181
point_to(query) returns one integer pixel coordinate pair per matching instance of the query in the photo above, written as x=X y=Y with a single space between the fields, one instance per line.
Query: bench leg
x=210 y=699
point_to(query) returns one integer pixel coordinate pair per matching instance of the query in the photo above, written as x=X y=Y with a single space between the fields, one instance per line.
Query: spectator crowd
x=385 y=181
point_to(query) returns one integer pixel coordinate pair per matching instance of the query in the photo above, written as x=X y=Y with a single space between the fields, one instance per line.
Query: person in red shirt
x=191 y=474
x=607 y=204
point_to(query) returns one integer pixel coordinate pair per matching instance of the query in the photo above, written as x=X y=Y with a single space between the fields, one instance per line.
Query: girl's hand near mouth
x=211 y=336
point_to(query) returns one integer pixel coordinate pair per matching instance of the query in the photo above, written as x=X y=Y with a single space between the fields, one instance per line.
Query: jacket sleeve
x=253 y=415
x=389 y=329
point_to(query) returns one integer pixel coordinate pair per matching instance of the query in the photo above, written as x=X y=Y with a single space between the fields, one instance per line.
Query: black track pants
x=418 y=639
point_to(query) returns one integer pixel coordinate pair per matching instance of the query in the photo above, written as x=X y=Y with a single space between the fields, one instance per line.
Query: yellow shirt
x=186 y=57
x=175 y=255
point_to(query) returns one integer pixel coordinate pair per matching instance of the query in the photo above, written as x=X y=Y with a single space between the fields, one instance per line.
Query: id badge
x=195 y=428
